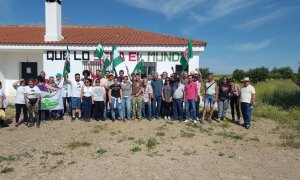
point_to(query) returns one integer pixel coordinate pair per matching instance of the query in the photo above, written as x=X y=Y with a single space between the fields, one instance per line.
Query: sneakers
x=166 y=118
x=186 y=121
x=248 y=126
x=169 y=117
x=218 y=119
x=195 y=122
x=17 y=124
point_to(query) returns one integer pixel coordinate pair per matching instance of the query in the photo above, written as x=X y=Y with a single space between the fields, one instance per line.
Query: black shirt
x=115 y=90
x=224 y=90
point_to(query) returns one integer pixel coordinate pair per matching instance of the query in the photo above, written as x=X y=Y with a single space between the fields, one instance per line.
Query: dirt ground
x=121 y=151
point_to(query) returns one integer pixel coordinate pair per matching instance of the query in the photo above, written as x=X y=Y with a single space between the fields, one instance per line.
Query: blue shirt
x=157 y=87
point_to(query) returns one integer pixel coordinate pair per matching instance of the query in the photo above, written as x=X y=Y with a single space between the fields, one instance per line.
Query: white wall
x=10 y=69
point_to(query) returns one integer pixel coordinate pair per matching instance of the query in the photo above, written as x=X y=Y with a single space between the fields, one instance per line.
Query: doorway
x=28 y=70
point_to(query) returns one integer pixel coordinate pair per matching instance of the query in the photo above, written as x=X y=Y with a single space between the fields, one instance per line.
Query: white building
x=27 y=50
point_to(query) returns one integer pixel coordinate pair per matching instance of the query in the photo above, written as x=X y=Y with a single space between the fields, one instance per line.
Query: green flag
x=117 y=59
x=99 y=50
x=139 y=68
x=67 y=66
x=187 y=55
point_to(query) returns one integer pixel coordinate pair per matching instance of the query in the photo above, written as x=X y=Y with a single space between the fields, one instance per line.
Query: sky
x=241 y=34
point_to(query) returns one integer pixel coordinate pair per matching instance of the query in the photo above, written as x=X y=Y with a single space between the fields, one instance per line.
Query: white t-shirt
x=20 y=95
x=98 y=92
x=146 y=91
x=246 y=94
x=66 y=89
x=32 y=93
x=2 y=94
x=87 y=91
x=76 y=88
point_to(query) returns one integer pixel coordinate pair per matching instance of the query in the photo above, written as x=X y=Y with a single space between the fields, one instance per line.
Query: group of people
x=118 y=96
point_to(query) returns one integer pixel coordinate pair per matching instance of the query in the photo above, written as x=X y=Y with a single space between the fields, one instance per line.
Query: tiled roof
x=90 y=35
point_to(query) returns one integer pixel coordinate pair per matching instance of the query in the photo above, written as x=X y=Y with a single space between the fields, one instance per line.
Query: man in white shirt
x=248 y=101
x=76 y=91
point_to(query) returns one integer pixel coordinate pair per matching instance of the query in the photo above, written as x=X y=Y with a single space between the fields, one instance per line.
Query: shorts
x=209 y=100
x=75 y=101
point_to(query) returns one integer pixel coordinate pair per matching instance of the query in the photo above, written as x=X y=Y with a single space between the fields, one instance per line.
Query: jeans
x=67 y=105
x=209 y=100
x=148 y=104
x=246 y=111
x=99 y=109
x=188 y=103
x=87 y=107
x=156 y=106
x=167 y=109
x=222 y=108
x=197 y=107
x=19 y=107
x=136 y=107
x=119 y=107
x=234 y=102
x=126 y=104
x=177 y=109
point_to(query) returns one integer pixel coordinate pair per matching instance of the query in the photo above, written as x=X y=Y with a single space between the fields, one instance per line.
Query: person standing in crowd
x=86 y=99
x=184 y=77
x=76 y=91
x=110 y=81
x=234 y=100
x=20 y=102
x=248 y=101
x=3 y=104
x=99 y=99
x=86 y=74
x=210 y=96
x=149 y=78
x=146 y=99
x=136 y=93
x=190 y=97
x=167 y=96
x=32 y=98
x=51 y=83
x=178 y=93
x=126 y=103
x=121 y=76
x=66 y=95
x=223 y=99
x=115 y=99
x=157 y=85
x=197 y=77
x=43 y=75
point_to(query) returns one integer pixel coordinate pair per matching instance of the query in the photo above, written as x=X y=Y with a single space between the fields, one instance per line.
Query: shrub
x=238 y=74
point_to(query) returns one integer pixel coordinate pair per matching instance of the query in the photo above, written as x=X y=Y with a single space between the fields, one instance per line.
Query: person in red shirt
x=190 y=97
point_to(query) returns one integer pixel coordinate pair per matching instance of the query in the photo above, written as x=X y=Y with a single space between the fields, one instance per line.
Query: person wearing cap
x=248 y=101
x=234 y=100
x=20 y=102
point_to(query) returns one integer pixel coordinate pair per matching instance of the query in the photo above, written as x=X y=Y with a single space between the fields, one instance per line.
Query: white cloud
x=169 y=8
x=260 y=21
x=220 y=9
x=244 y=47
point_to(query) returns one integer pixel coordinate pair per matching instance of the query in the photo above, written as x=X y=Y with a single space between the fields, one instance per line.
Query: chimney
x=53 y=20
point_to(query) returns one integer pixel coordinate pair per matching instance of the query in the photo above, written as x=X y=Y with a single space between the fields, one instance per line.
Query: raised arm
x=51 y=88
x=129 y=75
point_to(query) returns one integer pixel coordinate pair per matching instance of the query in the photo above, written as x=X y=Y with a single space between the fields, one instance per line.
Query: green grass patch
x=151 y=143
x=101 y=151
x=136 y=149
x=60 y=162
x=225 y=124
x=188 y=153
x=131 y=138
x=53 y=153
x=140 y=141
x=72 y=162
x=160 y=133
x=187 y=134
x=7 y=170
x=8 y=158
x=230 y=134
x=78 y=144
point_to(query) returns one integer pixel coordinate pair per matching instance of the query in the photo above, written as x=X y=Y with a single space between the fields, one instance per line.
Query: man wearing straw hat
x=247 y=99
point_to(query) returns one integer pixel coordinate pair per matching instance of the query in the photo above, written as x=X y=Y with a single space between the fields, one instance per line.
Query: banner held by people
x=51 y=101
x=187 y=55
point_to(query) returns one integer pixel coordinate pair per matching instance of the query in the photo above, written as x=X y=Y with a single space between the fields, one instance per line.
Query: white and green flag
x=67 y=66
x=139 y=68
x=117 y=59
x=187 y=55
x=52 y=101
x=99 y=52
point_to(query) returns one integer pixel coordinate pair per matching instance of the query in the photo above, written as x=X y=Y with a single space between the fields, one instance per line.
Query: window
x=150 y=67
x=95 y=65
x=178 y=69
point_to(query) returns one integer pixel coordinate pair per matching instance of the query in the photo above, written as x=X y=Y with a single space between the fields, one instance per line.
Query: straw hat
x=192 y=73
x=2 y=114
x=246 y=79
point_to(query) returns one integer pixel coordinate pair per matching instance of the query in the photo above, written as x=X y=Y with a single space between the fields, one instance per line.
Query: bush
x=281 y=73
x=204 y=72
x=258 y=74
x=238 y=74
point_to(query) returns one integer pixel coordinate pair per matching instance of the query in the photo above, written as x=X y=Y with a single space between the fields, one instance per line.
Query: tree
x=204 y=72
x=238 y=74
x=258 y=74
